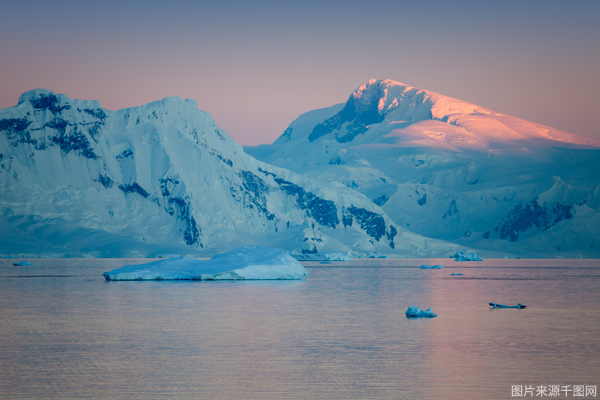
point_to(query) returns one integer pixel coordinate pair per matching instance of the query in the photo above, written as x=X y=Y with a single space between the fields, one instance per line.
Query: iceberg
x=23 y=264
x=252 y=262
x=415 y=312
x=323 y=257
x=425 y=266
x=463 y=256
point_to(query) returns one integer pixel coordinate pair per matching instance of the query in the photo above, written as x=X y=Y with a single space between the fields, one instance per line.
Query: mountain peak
x=374 y=102
x=162 y=177
x=47 y=99
x=418 y=117
x=396 y=95
x=35 y=94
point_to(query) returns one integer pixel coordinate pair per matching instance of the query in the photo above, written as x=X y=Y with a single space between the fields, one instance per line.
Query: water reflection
x=341 y=334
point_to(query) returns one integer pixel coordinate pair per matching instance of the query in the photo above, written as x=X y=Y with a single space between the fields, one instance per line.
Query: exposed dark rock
x=167 y=185
x=525 y=217
x=106 y=181
x=391 y=235
x=225 y=160
x=311 y=250
x=96 y=112
x=16 y=130
x=381 y=200
x=323 y=211
x=48 y=102
x=355 y=117
x=452 y=210
x=346 y=218
x=191 y=234
x=370 y=222
x=255 y=189
x=125 y=154
x=14 y=125
x=134 y=188
x=336 y=161
x=72 y=140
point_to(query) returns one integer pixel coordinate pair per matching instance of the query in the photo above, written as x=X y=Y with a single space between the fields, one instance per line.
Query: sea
x=66 y=333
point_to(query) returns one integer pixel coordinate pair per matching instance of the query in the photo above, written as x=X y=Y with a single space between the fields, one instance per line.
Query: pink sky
x=257 y=66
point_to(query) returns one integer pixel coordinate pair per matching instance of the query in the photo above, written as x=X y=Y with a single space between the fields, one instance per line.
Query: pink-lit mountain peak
x=390 y=96
x=421 y=117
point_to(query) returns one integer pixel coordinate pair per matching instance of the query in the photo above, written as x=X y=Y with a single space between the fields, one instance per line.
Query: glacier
x=451 y=170
x=248 y=263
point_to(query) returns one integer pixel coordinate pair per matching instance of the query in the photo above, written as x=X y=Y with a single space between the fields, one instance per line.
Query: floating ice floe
x=425 y=266
x=414 y=311
x=253 y=262
x=23 y=264
x=323 y=257
x=456 y=274
x=496 y=305
x=463 y=256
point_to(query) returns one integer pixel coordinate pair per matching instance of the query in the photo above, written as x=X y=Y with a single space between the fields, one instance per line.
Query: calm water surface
x=341 y=334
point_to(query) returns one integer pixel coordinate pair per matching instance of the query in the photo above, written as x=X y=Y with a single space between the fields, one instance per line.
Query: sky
x=256 y=66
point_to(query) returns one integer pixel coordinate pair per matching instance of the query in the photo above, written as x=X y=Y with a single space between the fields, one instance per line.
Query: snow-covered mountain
x=451 y=170
x=76 y=179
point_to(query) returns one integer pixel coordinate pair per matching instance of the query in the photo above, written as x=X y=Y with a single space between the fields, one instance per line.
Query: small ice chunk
x=415 y=312
x=23 y=264
x=376 y=255
x=496 y=305
x=463 y=256
x=425 y=266
x=456 y=274
x=252 y=262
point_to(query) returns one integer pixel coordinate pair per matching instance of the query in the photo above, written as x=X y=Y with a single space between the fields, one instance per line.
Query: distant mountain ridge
x=395 y=171
x=78 y=180
x=452 y=170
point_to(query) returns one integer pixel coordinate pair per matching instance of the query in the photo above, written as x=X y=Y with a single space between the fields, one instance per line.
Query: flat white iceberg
x=463 y=256
x=414 y=311
x=252 y=262
x=22 y=264
x=425 y=266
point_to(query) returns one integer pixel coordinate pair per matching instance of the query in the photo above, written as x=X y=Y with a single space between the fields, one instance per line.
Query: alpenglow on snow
x=452 y=170
x=164 y=179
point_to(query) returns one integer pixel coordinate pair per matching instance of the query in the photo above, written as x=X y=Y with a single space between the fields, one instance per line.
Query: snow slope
x=78 y=180
x=451 y=170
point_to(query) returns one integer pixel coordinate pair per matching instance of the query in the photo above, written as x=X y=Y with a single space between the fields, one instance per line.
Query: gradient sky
x=257 y=65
